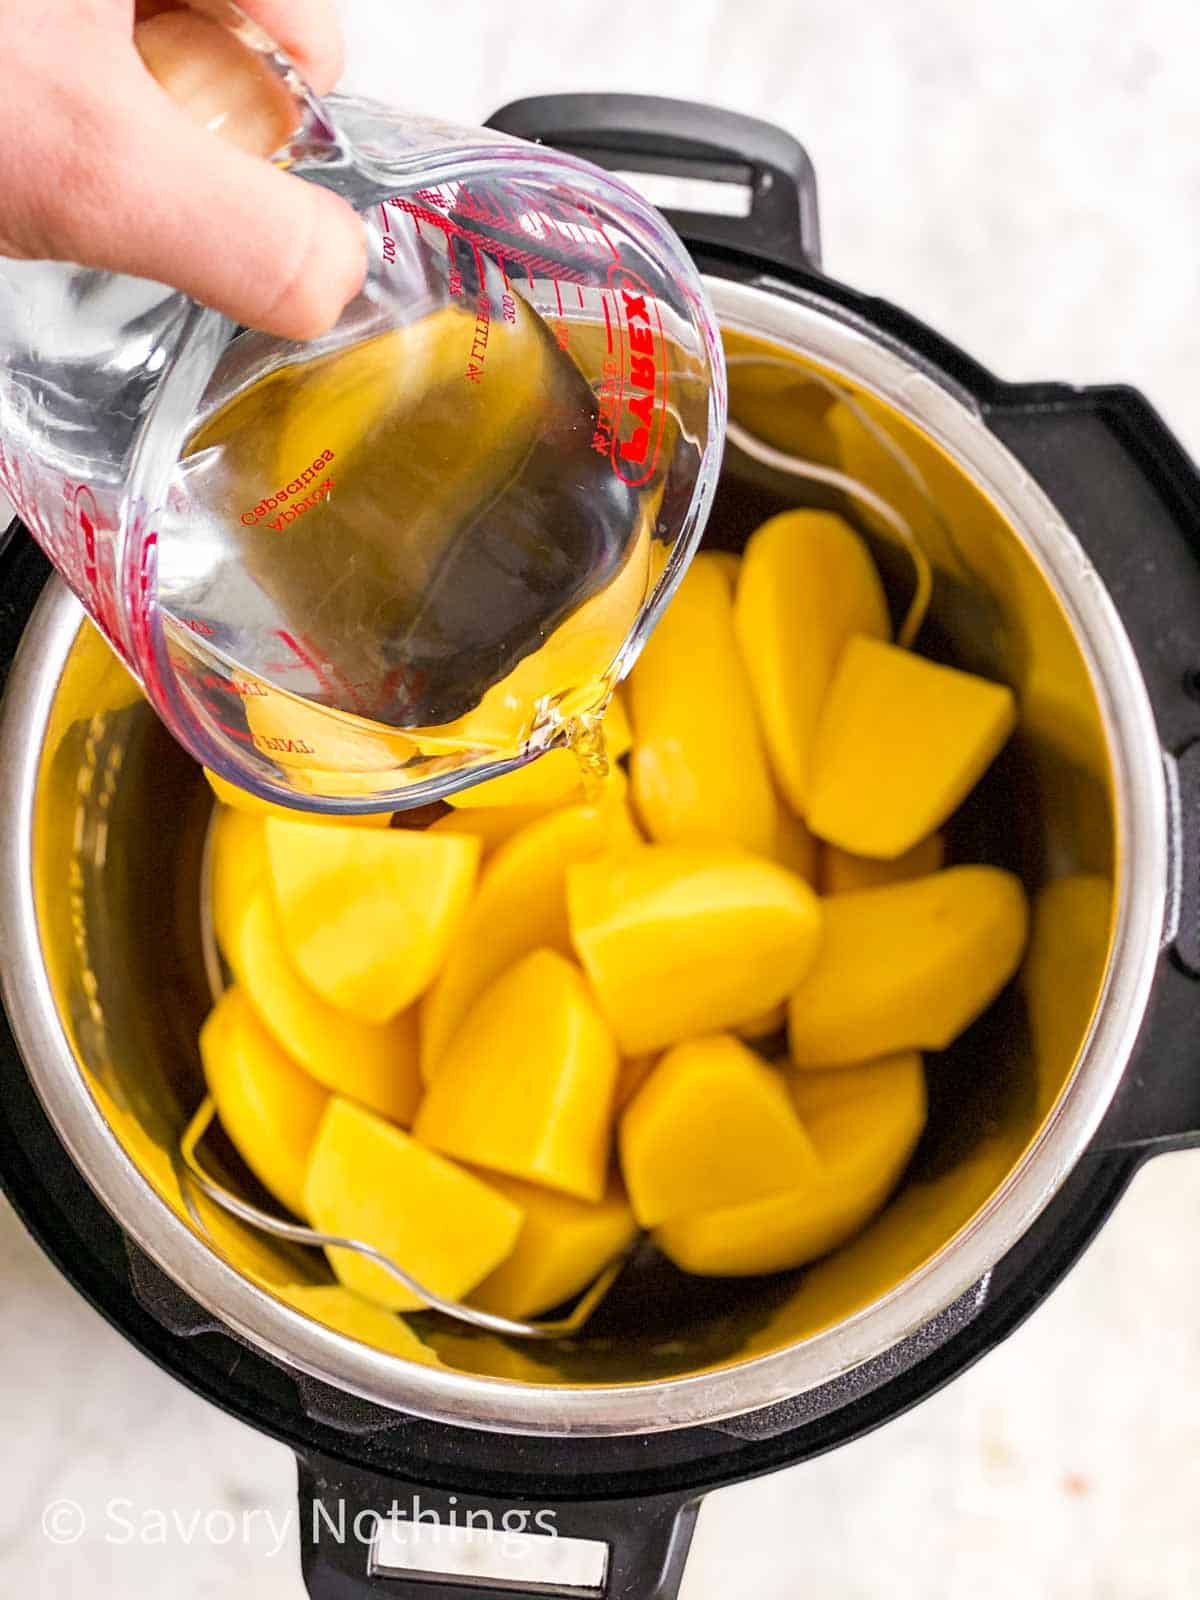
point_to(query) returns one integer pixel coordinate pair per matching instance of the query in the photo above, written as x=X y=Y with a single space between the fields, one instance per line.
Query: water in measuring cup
x=416 y=540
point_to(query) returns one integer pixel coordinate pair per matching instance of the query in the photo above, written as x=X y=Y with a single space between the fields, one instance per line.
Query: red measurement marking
x=325 y=673
x=499 y=249
x=504 y=275
x=607 y=319
x=558 y=296
x=579 y=292
x=529 y=275
x=383 y=217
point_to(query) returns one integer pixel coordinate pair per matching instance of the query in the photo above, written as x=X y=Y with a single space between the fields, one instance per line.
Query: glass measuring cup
x=363 y=572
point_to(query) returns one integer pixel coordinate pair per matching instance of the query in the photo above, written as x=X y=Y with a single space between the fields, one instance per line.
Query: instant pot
x=1063 y=528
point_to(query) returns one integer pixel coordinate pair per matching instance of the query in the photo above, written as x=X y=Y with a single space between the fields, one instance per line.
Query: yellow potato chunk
x=698 y=770
x=680 y=941
x=491 y=825
x=902 y=741
x=864 y=1123
x=712 y=1126
x=239 y=869
x=267 y=1105
x=563 y=1246
x=908 y=966
x=254 y=805
x=368 y=1180
x=372 y=1062
x=526 y=1085
x=339 y=1308
x=841 y=872
x=807 y=584
x=521 y=906
x=368 y=917
x=553 y=779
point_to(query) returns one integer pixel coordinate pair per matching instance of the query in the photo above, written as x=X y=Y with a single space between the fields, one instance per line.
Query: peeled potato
x=902 y=741
x=864 y=1123
x=807 y=583
x=554 y=779
x=346 y=1312
x=526 y=1084
x=698 y=769
x=491 y=825
x=681 y=941
x=563 y=1245
x=521 y=906
x=368 y=1180
x=267 y=1105
x=372 y=1062
x=841 y=872
x=712 y=1125
x=254 y=805
x=239 y=868
x=908 y=966
x=368 y=917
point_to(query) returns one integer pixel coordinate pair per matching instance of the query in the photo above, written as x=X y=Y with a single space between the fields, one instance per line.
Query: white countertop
x=1027 y=178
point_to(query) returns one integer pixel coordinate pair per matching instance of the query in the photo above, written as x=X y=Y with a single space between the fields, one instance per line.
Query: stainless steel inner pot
x=102 y=822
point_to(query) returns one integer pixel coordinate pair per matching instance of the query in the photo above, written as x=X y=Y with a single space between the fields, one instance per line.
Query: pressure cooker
x=1063 y=530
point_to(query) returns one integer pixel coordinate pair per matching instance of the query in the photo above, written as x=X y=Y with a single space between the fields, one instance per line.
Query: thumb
x=167 y=200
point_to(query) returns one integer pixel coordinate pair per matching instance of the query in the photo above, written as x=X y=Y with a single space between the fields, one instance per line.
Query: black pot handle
x=683 y=139
x=354 y=1524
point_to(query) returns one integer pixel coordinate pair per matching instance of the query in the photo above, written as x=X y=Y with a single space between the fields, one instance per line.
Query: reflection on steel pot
x=1060 y=528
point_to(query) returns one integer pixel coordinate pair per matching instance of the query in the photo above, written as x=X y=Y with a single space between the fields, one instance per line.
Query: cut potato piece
x=238 y=866
x=367 y=1180
x=254 y=805
x=712 y=1126
x=375 y=1063
x=682 y=941
x=491 y=825
x=698 y=769
x=553 y=779
x=807 y=584
x=563 y=1245
x=346 y=1312
x=902 y=741
x=368 y=917
x=842 y=873
x=526 y=1085
x=864 y=1123
x=908 y=966
x=521 y=906
x=269 y=1107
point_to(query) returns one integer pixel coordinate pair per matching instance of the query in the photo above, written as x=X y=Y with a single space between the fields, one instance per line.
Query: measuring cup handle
x=683 y=139
x=632 y=1549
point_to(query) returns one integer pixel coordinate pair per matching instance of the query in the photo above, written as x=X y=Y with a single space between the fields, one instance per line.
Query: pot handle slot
x=365 y=1535
x=721 y=179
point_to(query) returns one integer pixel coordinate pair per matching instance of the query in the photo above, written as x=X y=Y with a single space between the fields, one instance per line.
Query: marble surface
x=1026 y=178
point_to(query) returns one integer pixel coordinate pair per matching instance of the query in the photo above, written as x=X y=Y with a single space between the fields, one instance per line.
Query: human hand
x=109 y=156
